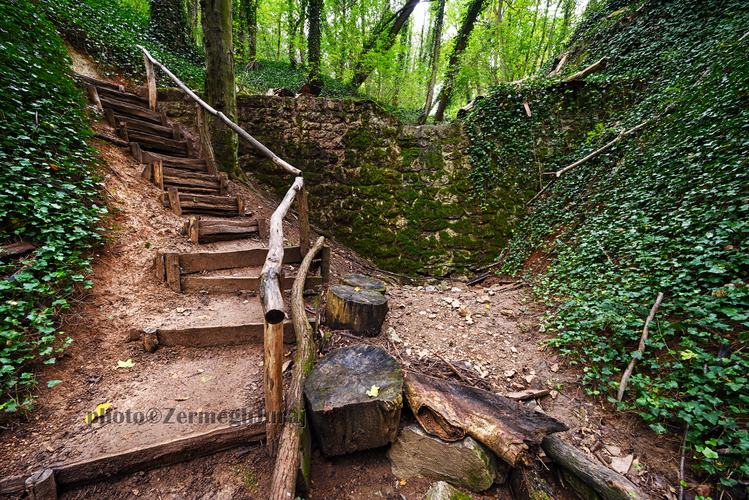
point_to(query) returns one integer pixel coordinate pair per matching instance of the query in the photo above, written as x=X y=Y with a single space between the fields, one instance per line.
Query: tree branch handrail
x=236 y=128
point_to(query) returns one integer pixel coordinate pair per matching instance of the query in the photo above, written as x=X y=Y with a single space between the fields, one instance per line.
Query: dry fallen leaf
x=181 y=398
x=100 y=411
x=125 y=364
x=373 y=392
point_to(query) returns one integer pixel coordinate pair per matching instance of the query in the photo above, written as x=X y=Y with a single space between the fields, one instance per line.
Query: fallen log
x=450 y=411
x=604 y=481
x=355 y=399
x=16 y=250
x=144 y=458
x=596 y=66
x=288 y=461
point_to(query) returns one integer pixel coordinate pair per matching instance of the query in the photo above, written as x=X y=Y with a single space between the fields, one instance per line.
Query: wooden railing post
x=273 y=383
x=205 y=141
x=303 y=221
x=151 y=77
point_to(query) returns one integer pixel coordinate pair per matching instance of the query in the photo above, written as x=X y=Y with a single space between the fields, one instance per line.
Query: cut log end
x=358 y=310
x=355 y=399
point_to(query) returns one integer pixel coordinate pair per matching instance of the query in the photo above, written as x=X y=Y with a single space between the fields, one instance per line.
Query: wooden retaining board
x=232 y=284
x=133 y=99
x=212 y=261
x=218 y=336
x=196 y=164
x=132 y=110
x=149 y=141
x=147 y=127
x=104 y=84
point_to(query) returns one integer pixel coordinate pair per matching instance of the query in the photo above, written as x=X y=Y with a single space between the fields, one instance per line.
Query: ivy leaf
x=373 y=392
x=53 y=383
x=688 y=354
x=709 y=453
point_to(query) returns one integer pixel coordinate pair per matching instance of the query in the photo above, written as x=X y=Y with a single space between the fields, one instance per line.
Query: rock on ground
x=465 y=463
x=443 y=491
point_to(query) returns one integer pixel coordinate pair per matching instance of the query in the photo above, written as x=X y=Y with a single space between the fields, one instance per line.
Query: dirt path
x=489 y=333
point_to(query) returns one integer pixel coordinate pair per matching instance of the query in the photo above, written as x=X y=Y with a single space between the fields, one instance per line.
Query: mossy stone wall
x=398 y=194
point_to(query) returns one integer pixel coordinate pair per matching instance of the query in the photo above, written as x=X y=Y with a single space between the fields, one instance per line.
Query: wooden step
x=122 y=96
x=174 y=267
x=234 y=284
x=105 y=84
x=187 y=203
x=202 y=230
x=216 y=336
x=132 y=110
x=147 y=127
x=194 y=164
x=148 y=142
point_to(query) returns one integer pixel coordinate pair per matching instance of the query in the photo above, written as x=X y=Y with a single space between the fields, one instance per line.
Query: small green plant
x=249 y=477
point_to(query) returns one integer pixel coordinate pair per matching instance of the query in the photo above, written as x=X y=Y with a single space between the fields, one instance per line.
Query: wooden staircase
x=191 y=185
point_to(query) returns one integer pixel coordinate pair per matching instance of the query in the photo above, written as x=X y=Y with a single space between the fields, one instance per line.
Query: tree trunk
x=437 y=42
x=313 y=41
x=219 y=80
x=363 y=68
x=461 y=42
x=168 y=23
x=250 y=13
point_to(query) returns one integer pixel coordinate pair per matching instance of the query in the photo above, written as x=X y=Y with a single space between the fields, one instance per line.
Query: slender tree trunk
x=461 y=42
x=250 y=12
x=193 y=7
x=363 y=68
x=538 y=51
x=437 y=38
x=219 y=80
x=530 y=39
x=168 y=23
x=313 y=40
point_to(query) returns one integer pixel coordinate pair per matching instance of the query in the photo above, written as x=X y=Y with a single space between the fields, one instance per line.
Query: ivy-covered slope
x=665 y=210
x=48 y=195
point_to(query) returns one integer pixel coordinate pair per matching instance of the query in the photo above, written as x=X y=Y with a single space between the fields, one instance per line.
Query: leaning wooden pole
x=287 y=463
x=236 y=128
x=271 y=297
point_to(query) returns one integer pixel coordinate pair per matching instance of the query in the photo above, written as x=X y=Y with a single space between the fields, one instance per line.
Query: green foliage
x=109 y=32
x=666 y=209
x=49 y=195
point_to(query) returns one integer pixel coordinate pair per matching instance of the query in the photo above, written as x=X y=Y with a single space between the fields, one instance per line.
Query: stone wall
x=397 y=194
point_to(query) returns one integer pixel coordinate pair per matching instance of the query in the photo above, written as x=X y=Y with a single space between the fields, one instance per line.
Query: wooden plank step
x=190 y=263
x=201 y=230
x=147 y=127
x=208 y=179
x=195 y=164
x=133 y=99
x=233 y=284
x=219 y=205
x=150 y=142
x=216 y=336
x=134 y=111
x=105 y=84
x=185 y=188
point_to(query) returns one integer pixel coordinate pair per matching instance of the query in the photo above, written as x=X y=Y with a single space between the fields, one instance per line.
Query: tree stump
x=343 y=416
x=361 y=311
x=363 y=282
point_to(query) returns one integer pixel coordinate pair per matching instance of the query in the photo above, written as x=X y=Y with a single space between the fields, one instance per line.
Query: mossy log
x=354 y=397
x=527 y=484
x=363 y=282
x=360 y=311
